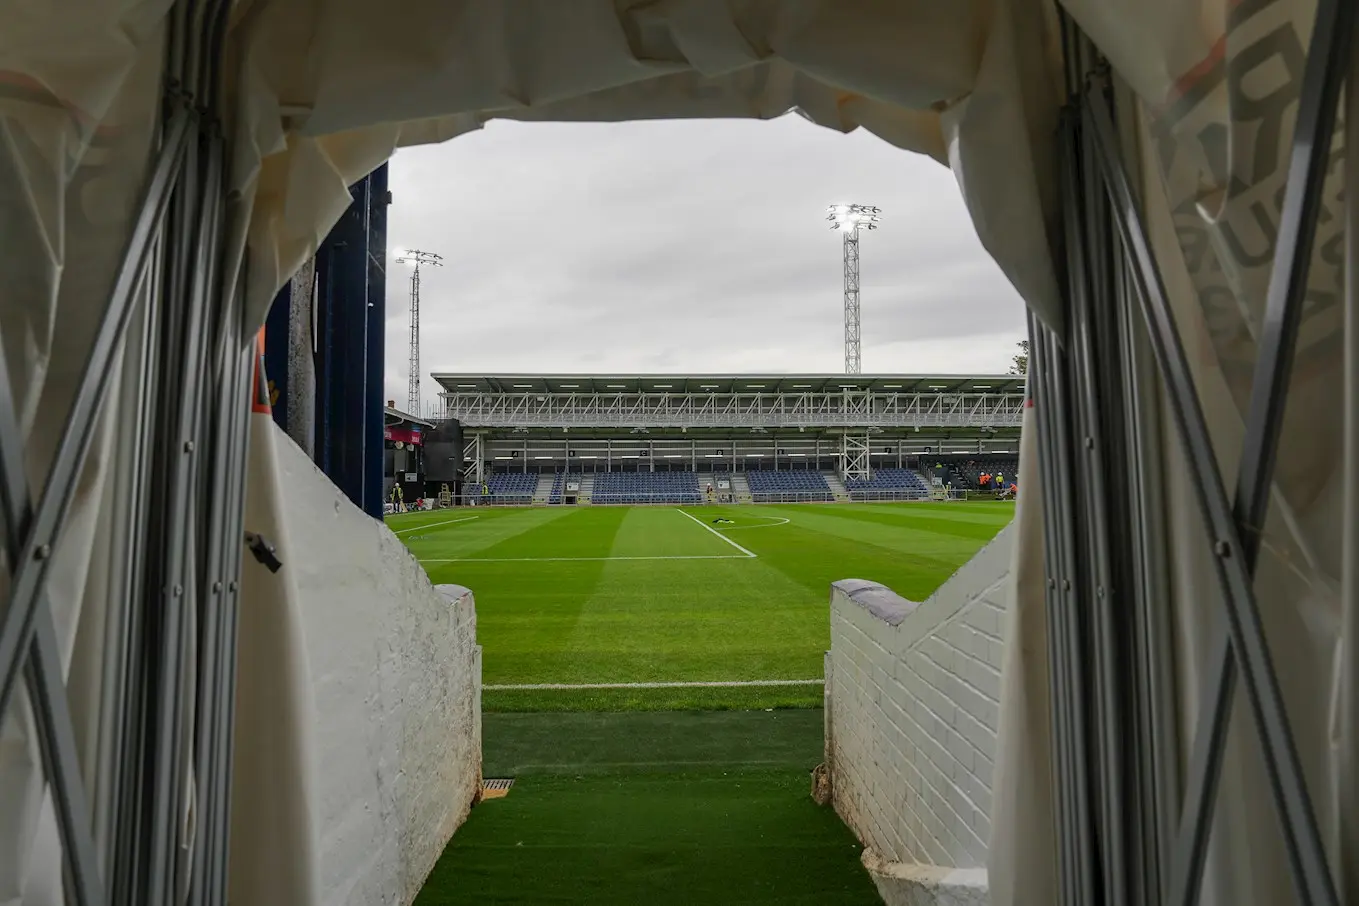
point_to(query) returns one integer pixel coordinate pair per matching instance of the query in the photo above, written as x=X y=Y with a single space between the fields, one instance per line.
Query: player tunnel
x=1162 y=182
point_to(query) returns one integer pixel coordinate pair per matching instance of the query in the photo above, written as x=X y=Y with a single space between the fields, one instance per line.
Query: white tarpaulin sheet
x=969 y=83
x=1220 y=82
x=323 y=91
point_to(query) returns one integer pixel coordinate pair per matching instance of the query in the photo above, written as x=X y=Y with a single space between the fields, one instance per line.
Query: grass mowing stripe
x=430 y=525
x=579 y=532
x=725 y=699
x=519 y=744
x=475 y=538
x=737 y=618
x=708 y=528
x=697 y=684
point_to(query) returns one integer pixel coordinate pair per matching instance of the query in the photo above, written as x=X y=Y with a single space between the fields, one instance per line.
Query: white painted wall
x=396 y=675
x=912 y=709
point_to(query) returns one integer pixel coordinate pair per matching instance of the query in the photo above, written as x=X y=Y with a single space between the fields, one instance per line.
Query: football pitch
x=655 y=608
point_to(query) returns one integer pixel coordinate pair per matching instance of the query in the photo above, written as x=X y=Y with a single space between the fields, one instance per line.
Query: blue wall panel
x=351 y=306
x=376 y=334
x=276 y=353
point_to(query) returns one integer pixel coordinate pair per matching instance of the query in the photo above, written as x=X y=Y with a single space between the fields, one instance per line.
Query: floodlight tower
x=849 y=219
x=415 y=257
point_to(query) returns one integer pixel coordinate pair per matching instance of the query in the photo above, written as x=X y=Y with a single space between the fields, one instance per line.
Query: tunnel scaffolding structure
x=176 y=344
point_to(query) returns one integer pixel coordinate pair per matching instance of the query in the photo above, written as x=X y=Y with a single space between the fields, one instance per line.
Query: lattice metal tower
x=415 y=257
x=849 y=219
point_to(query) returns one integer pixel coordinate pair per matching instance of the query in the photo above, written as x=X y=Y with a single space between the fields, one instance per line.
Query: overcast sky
x=671 y=247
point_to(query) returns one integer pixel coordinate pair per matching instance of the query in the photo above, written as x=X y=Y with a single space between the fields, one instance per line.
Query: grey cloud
x=694 y=246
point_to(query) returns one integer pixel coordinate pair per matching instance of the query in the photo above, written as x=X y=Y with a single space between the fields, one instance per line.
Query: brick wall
x=396 y=680
x=912 y=692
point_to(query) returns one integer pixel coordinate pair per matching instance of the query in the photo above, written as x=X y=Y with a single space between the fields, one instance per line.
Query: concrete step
x=837 y=487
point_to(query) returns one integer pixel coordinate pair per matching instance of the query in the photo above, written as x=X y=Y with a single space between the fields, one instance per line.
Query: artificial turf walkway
x=652 y=808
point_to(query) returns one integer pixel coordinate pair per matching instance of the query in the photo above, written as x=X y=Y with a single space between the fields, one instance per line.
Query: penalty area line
x=703 y=525
x=699 y=684
x=416 y=528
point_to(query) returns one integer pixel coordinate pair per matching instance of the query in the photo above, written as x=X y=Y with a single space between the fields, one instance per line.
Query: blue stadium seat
x=804 y=483
x=646 y=487
x=514 y=487
x=895 y=483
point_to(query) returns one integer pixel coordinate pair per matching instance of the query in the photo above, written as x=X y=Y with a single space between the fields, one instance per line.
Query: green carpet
x=658 y=809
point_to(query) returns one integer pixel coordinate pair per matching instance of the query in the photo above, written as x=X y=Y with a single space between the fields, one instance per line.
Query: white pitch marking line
x=580 y=559
x=710 y=684
x=781 y=521
x=602 y=765
x=417 y=528
x=703 y=525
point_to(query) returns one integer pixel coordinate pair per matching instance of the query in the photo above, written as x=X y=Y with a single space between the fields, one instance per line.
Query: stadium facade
x=862 y=432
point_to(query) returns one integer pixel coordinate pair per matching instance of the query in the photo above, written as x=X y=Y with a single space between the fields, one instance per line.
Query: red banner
x=406 y=435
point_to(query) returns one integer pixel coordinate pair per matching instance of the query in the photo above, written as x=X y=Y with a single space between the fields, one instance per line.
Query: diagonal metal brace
x=1326 y=66
x=42 y=669
x=1317 y=110
x=34 y=558
x=1233 y=560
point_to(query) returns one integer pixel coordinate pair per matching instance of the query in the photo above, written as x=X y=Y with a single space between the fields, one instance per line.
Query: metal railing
x=884 y=496
x=497 y=499
x=767 y=410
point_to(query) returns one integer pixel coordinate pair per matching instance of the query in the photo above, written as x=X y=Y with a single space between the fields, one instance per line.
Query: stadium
x=618 y=638
x=610 y=439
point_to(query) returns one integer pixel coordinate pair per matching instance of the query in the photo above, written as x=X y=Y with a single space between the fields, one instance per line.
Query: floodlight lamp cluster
x=851 y=217
x=416 y=257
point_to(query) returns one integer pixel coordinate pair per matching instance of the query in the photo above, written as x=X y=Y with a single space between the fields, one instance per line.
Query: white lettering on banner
x=1222 y=142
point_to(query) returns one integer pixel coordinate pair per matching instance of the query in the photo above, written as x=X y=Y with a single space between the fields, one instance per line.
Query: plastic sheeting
x=324 y=91
x=1220 y=97
x=970 y=83
x=74 y=144
x=1218 y=84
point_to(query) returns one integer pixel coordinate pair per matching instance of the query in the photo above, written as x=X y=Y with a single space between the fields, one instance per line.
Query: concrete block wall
x=396 y=683
x=912 y=710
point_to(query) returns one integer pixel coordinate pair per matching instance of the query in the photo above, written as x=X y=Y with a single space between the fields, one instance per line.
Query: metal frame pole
x=1058 y=685
x=1103 y=574
x=1152 y=657
x=49 y=515
x=1349 y=584
x=27 y=639
x=1064 y=628
x=184 y=188
x=1235 y=529
x=41 y=662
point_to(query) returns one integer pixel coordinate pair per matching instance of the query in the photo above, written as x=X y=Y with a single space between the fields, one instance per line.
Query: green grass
x=580 y=744
x=666 y=796
x=686 y=699
x=564 y=595
x=661 y=809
